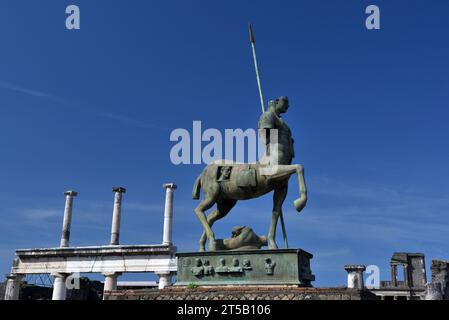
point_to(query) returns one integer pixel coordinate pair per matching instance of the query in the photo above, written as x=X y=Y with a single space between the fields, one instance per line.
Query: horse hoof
x=201 y=249
x=212 y=246
x=272 y=245
x=300 y=204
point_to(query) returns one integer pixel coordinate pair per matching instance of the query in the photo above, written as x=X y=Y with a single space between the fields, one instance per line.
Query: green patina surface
x=282 y=266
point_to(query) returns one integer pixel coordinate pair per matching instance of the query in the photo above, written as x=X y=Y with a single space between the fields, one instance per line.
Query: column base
x=164 y=279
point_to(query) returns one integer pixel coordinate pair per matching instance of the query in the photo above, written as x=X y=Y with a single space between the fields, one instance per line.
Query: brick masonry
x=242 y=293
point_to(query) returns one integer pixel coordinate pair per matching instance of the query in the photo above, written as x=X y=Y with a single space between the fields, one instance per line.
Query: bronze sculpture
x=225 y=183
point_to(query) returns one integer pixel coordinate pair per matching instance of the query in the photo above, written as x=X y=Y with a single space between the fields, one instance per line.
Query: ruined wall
x=440 y=274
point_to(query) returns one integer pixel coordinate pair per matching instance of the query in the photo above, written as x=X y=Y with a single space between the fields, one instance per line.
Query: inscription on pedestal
x=283 y=266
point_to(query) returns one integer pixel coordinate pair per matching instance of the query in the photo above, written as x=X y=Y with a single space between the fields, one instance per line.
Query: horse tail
x=196 y=188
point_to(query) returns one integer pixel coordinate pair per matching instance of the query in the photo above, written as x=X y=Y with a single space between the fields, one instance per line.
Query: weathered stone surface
x=440 y=275
x=101 y=259
x=243 y=293
x=249 y=267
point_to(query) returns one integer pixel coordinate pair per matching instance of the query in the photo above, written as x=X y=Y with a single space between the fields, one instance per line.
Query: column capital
x=14 y=276
x=169 y=186
x=71 y=193
x=119 y=189
x=165 y=273
x=60 y=274
x=355 y=268
x=112 y=274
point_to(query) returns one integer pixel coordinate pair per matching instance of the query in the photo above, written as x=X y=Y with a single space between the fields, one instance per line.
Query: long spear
x=256 y=66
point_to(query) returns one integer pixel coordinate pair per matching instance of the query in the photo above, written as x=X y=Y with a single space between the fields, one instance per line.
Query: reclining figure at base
x=243 y=238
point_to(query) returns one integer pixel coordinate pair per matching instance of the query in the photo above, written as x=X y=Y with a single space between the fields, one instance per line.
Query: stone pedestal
x=245 y=267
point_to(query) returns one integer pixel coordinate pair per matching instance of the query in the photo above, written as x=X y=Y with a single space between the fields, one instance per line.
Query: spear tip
x=251 y=34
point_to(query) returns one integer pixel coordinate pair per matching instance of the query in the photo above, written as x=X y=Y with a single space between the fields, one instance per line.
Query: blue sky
x=90 y=109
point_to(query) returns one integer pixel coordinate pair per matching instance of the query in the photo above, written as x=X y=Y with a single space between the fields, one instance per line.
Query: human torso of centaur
x=270 y=120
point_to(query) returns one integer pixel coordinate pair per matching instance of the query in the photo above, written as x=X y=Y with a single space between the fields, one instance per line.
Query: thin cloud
x=26 y=91
x=75 y=107
x=39 y=215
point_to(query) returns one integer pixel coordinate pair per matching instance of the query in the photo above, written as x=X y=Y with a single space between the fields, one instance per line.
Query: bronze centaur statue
x=224 y=183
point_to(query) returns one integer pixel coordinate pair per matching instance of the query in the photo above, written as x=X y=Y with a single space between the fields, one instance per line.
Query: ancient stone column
x=117 y=211
x=406 y=275
x=424 y=272
x=394 y=275
x=69 y=195
x=168 y=213
x=164 y=279
x=355 y=276
x=110 y=282
x=59 y=286
x=12 y=290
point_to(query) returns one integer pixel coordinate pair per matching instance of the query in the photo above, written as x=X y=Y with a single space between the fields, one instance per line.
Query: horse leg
x=281 y=172
x=300 y=203
x=223 y=208
x=210 y=220
x=278 y=200
x=206 y=204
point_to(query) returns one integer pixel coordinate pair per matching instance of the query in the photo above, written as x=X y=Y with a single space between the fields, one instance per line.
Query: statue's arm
x=266 y=123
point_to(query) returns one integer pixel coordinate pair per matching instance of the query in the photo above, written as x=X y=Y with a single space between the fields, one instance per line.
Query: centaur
x=225 y=183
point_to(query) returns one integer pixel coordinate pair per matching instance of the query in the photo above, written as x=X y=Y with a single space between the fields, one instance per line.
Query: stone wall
x=242 y=293
x=440 y=275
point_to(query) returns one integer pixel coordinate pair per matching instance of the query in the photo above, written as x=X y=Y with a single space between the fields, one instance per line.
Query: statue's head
x=279 y=105
x=236 y=231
